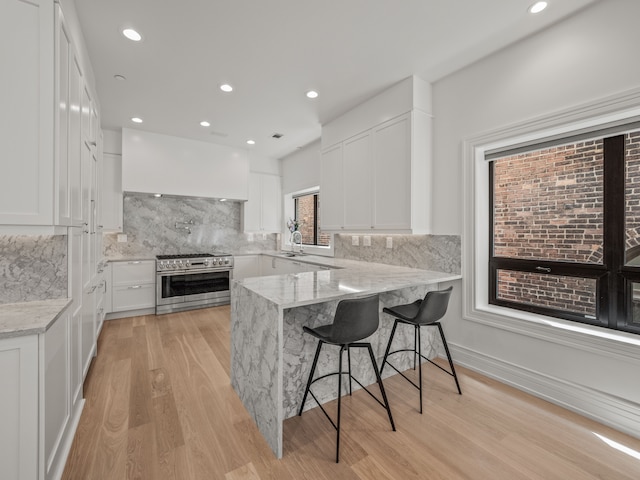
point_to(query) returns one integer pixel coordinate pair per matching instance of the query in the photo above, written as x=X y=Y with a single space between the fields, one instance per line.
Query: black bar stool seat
x=425 y=312
x=354 y=320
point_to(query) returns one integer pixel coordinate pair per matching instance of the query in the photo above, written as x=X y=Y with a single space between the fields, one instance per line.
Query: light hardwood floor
x=159 y=405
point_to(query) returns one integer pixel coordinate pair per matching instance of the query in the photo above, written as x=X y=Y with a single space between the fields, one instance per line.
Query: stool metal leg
x=446 y=349
x=415 y=345
x=386 y=352
x=379 y=379
x=313 y=369
x=419 y=364
x=349 y=361
x=339 y=402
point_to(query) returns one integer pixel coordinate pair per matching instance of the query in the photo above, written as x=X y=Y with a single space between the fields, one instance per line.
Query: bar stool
x=421 y=313
x=354 y=320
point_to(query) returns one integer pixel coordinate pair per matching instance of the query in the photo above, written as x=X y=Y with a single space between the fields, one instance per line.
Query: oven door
x=206 y=285
x=192 y=286
x=169 y=288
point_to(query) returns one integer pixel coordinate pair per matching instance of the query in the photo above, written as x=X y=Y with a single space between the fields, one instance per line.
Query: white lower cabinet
x=246 y=266
x=133 y=285
x=37 y=411
x=19 y=407
x=281 y=266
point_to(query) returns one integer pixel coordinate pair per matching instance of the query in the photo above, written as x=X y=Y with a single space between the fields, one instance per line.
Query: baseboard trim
x=609 y=410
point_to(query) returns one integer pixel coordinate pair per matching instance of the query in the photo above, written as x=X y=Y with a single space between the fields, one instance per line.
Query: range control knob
x=226 y=261
x=206 y=263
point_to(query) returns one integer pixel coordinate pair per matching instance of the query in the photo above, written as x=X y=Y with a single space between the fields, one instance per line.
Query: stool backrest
x=355 y=319
x=434 y=306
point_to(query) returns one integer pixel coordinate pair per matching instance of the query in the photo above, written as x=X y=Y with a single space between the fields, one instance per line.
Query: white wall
x=262 y=164
x=587 y=57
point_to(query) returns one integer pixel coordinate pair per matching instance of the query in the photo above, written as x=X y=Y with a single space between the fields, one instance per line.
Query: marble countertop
x=30 y=318
x=345 y=278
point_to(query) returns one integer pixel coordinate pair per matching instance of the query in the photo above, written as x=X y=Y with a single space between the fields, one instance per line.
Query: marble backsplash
x=429 y=252
x=153 y=227
x=32 y=268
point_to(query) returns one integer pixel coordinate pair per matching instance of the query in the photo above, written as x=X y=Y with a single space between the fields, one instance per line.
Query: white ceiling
x=273 y=51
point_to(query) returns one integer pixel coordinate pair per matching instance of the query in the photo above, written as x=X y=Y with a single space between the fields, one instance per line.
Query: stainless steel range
x=185 y=282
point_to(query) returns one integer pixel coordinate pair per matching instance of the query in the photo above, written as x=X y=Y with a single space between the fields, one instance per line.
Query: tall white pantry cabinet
x=50 y=166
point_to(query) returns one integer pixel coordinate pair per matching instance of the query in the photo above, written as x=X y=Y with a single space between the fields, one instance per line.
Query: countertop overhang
x=30 y=318
x=343 y=278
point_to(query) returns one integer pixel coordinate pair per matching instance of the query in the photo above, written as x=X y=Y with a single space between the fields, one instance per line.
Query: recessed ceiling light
x=157 y=195
x=136 y=120
x=223 y=199
x=226 y=88
x=204 y=123
x=131 y=34
x=538 y=7
x=120 y=77
x=312 y=94
x=251 y=142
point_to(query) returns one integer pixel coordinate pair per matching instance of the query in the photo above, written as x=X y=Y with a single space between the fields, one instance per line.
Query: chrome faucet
x=295 y=234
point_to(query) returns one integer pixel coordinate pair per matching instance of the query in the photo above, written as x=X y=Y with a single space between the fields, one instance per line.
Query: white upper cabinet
x=357 y=169
x=378 y=177
x=262 y=212
x=27 y=99
x=331 y=189
x=42 y=115
x=112 y=200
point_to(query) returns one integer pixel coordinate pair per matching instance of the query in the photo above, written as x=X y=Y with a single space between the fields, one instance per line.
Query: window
x=307 y=214
x=565 y=229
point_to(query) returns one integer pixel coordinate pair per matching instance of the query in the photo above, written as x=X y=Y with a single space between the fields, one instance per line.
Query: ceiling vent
x=277 y=135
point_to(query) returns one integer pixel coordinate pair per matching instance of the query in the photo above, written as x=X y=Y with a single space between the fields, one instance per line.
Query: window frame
x=614 y=299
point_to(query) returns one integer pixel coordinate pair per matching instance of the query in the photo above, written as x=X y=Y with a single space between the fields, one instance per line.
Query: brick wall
x=306 y=215
x=632 y=208
x=548 y=205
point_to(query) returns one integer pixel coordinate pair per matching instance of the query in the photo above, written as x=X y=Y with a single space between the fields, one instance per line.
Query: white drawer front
x=133 y=272
x=134 y=297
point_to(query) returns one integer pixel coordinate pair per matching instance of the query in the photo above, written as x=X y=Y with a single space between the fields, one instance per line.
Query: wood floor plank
x=140 y=404
x=159 y=405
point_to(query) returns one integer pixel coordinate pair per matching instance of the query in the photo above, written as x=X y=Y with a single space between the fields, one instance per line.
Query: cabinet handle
x=133 y=287
x=544 y=269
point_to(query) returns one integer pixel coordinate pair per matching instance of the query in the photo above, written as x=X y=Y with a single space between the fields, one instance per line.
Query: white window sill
x=578 y=335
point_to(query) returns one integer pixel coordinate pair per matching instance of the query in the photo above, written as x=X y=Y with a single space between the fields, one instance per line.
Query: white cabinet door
x=75 y=139
x=75 y=290
x=392 y=171
x=19 y=407
x=246 y=266
x=57 y=389
x=112 y=206
x=332 y=189
x=262 y=212
x=62 y=163
x=357 y=165
x=271 y=203
x=27 y=96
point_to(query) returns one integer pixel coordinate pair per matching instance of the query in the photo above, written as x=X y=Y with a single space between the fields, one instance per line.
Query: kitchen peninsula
x=270 y=356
